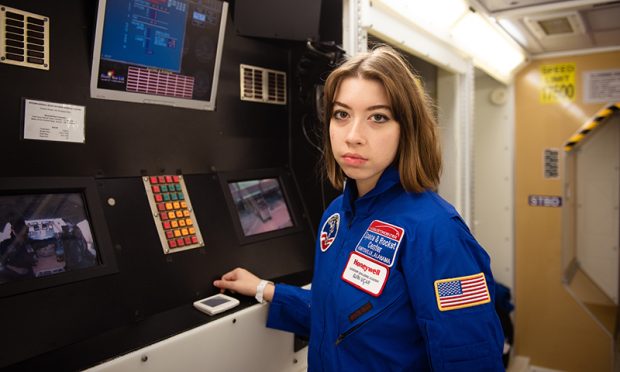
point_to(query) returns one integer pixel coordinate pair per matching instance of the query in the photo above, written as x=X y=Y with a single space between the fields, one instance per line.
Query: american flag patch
x=465 y=291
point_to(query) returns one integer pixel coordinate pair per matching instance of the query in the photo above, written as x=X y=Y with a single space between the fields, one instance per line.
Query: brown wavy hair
x=418 y=158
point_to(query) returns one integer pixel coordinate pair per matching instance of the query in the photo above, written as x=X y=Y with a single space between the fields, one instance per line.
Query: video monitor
x=52 y=232
x=259 y=205
x=159 y=51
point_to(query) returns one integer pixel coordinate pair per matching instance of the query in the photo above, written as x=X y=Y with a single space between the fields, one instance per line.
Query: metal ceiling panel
x=545 y=26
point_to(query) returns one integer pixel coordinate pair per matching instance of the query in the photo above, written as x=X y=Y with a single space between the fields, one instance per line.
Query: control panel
x=172 y=213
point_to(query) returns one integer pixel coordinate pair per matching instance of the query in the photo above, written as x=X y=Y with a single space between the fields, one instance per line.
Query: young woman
x=399 y=284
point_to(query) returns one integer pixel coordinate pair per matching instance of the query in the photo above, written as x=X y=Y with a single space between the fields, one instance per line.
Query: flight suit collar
x=351 y=204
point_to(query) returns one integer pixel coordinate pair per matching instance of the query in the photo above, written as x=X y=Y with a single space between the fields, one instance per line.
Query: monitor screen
x=260 y=205
x=50 y=234
x=159 y=51
x=46 y=234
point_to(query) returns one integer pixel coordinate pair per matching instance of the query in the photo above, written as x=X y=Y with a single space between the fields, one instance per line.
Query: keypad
x=173 y=214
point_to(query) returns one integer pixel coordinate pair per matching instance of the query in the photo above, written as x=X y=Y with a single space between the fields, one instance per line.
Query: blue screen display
x=163 y=48
x=146 y=33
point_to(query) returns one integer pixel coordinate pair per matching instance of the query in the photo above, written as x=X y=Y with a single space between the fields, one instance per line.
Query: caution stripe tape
x=589 y=126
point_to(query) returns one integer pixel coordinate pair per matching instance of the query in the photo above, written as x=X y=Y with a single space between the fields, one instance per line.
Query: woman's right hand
x=244 y=282
x=240 y=281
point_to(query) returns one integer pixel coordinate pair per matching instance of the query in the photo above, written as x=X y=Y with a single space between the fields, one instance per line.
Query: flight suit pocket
x=365 y=313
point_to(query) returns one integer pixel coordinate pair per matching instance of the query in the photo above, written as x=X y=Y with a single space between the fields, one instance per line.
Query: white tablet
x=216 y=304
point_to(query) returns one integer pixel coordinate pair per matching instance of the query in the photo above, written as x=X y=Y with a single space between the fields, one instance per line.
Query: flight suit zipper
x=340 y=248
x=349 y=331
x=342 y=336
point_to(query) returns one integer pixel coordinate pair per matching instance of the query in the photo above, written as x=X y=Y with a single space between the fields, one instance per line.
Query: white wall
x=598 y=164
x=493 y=190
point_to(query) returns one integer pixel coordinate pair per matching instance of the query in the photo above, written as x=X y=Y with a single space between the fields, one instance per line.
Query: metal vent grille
x=24 y=38
x=551 y=162
x=555 y=25
x=263 y=85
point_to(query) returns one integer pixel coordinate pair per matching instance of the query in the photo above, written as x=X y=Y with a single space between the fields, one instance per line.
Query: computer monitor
x=52 y=232
x=259 y=204
x=159 y=51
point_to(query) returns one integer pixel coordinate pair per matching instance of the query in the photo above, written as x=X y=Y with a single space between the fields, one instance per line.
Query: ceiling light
x=435 y=16
x=490 y=48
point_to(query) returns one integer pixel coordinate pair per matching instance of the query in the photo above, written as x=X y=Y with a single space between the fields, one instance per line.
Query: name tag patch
x=380 y=242
x=365 y=274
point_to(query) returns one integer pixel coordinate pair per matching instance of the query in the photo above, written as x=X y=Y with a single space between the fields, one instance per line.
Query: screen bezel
x=92 y=207
x=109 y=94
x=256 y=174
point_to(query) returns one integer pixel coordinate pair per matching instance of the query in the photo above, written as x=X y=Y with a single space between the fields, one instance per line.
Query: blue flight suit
x=397 y=322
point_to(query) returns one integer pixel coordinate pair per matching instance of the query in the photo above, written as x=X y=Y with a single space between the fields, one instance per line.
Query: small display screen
x=213 y=302
x=260 y=205
x=44 y=235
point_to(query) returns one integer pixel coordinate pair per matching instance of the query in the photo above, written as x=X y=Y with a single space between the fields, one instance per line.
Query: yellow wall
x=551 y=328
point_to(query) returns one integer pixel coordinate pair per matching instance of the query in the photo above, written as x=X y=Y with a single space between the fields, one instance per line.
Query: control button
x=164 y=188
x=174 y=224
x=182 y=223
x=176 y=205
x=186 y=213
x=166 y=225
x=178 y=187
x=169 y=234
x=177 y=233
x=169 y=206
x=161 y=206
x=161 y=179
x=192 y=230
x=163 y=216
x=166 y=197
x=175 y=179
x=183 y=205
x=180 y=242
x=184 y=231
x=171 y=215
x=168 y=179
x=188 y=222
x=173 y=195
x=153 y=179
x=159 y=198
x=194 y=239
x=179 y=214
x=187 y=240
x=172 y=243
x=181 y=196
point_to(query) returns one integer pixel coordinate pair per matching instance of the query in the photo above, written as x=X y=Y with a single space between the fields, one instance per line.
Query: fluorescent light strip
x=475 y=36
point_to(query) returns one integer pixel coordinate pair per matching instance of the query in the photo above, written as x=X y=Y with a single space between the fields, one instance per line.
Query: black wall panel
x=77 y=325
x=124 y=138
x=278 y=19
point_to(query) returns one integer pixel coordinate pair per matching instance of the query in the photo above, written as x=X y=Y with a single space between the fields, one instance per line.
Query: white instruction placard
x=50 y=121
x=601 y=86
